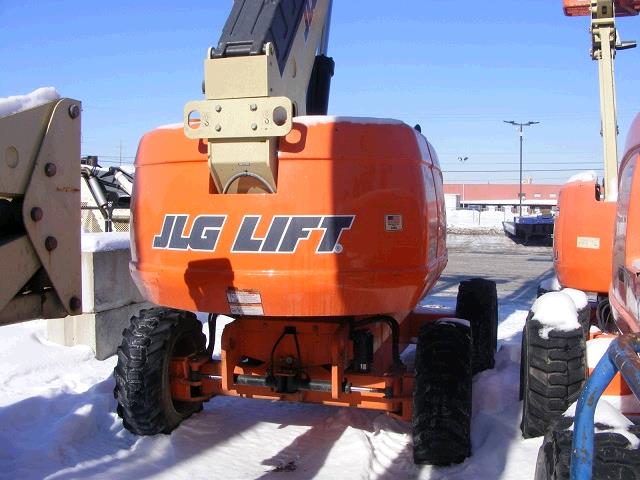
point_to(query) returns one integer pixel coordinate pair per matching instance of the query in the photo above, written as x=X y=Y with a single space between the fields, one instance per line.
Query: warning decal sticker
x=244 y=302
x=393 y=223
x=589 y=242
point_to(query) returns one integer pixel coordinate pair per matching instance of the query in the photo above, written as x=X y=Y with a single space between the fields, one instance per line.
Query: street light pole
x=520 y=193
x=520 y=127
x=463 y=159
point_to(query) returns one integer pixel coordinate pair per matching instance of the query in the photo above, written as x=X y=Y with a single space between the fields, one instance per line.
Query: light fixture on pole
x=520 y=126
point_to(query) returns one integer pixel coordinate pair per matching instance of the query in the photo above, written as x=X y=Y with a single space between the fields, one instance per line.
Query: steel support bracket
x=257 y=117
x=40 y=169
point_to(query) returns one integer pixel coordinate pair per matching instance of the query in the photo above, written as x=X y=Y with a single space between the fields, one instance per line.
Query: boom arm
x=605 y=42
x=255 y=81
x=39 y=213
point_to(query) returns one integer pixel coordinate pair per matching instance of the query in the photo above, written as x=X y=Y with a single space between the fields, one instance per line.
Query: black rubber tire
x=551 y=375
x=477 y=302
x=523 y=362
x=142 y=372
x=612 y=458
x=442 y=395
x=584 y=318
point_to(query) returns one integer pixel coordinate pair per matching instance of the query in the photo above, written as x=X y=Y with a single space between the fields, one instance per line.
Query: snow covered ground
x=58 y=419
x=58 y=422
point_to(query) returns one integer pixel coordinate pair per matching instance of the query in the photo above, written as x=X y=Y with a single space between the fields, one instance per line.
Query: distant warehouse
x=501 y=196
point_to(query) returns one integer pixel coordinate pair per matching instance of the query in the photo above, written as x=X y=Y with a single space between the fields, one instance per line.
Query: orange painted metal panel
x=618 y=386
x=583 y=238
x=578 y=8
x=625 y=287
x=380 y=174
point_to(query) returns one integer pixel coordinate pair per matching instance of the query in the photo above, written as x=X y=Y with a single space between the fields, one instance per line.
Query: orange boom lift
x=318 y=235
x=555 y=367
x=583 y=236
x=573 y=447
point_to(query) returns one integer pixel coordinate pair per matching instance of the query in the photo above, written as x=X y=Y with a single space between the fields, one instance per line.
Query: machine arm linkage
x=39 y=213
x=262 y=73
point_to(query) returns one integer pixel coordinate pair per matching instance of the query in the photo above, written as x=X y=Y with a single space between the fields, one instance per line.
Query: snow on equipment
x=554 y=369
x=319 y=235
x=39 y=210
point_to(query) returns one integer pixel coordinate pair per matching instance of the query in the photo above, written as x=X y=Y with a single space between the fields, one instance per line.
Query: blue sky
x=457 y=68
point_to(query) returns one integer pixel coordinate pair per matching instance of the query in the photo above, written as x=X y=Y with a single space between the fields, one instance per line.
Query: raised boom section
x=255 y=81
x=605 y=43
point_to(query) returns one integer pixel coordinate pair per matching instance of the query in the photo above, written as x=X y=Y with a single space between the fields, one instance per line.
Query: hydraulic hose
x=622 y=356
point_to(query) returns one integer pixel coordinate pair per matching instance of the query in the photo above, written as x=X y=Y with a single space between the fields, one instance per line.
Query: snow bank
x=555 y=311
x=105 y=242
x=551 y=284
x=588 y=176
x=58 y=419
x=606 y=414
x=579 y=298
x=466 y=221
x=18 y=103
x=310 y=120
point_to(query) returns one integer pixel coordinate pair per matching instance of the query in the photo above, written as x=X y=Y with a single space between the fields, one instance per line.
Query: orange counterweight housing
x=579 y=8
x=583 y=238
x=625 y=285
x=357 y=226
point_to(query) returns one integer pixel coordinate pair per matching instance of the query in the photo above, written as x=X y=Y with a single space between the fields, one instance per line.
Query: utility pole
x=463 y=159
x=520 y=126
x=120 y=152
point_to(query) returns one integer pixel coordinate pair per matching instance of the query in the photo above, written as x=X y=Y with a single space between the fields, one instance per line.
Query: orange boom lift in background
x=554 y=367
x=583 y=234
x=624 y=291
x=318 y=235
x=573 y=447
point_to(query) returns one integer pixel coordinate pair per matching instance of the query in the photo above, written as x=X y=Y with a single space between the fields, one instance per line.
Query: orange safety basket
x=580 y=8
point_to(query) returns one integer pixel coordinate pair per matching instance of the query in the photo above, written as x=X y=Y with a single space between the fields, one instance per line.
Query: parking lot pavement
x=517 y=269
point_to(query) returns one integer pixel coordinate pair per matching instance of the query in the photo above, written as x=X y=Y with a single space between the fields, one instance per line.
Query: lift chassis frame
x=301 y=360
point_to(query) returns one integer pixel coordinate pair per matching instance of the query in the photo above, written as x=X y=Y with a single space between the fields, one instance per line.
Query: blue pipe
x=582 y=447
x=621 y=355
